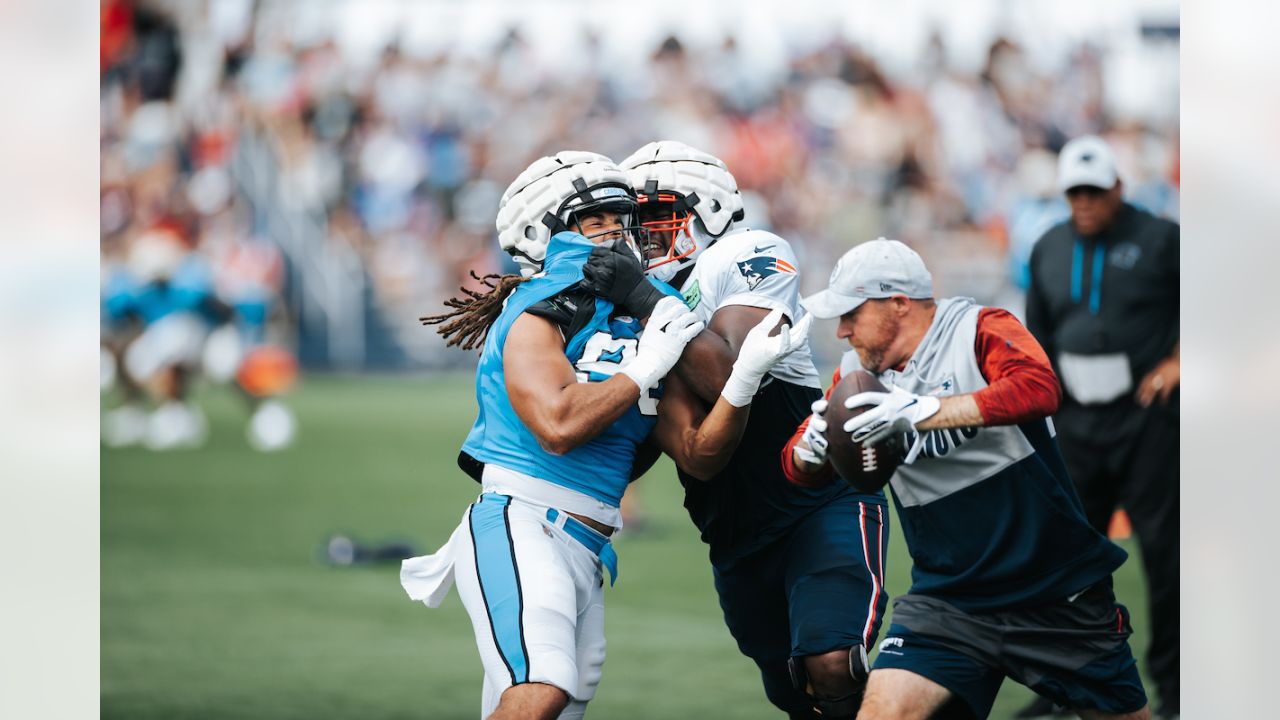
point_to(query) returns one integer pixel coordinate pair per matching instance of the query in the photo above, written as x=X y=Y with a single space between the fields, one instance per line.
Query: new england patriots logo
x=755 y=269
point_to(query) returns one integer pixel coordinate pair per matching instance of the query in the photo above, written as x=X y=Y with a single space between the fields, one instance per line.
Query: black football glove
x=613 y=273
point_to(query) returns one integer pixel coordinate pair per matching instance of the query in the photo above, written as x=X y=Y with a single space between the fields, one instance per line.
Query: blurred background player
x=249 y=350
x=567 y=391
x=158 y=308
x=1009 y=579
x=799 y=570
x=1104 y=303
x=173 y=315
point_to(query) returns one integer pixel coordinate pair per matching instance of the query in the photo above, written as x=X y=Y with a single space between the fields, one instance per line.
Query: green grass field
x=215 y=603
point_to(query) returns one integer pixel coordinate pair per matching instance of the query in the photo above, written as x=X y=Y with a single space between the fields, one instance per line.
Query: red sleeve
x=1021 y=383
x=795 y=475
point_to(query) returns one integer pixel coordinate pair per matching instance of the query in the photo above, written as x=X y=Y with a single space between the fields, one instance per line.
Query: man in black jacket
x=1103 y=301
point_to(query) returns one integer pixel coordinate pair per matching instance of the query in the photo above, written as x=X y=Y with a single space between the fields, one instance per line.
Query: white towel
x=1095 y=379
x=429 y=577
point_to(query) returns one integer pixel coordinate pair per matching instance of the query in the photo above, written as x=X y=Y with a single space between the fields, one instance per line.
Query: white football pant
x=536 y=599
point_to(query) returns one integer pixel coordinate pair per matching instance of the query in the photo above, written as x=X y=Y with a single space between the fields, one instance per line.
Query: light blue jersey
x=601 y=467
x=186 y=291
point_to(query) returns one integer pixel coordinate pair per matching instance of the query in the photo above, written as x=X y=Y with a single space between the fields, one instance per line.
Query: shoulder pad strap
x=570 y=309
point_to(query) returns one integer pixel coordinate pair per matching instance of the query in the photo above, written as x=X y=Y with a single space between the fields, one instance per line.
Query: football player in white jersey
x=567 y=389
x=799 y=570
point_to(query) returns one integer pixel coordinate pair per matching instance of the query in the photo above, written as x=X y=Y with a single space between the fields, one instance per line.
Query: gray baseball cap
x=875 y=269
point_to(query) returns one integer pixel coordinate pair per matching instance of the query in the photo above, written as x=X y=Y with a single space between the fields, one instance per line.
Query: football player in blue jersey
x=1009 y=577
x=568 y=387
x=162 y=301
x=799 y=570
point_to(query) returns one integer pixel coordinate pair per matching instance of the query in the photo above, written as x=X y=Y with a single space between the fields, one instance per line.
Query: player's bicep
x=733 y=322
x=534 y=367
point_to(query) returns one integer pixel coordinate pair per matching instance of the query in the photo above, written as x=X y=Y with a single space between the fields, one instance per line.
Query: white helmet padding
x=702 y=185
x=544 y=198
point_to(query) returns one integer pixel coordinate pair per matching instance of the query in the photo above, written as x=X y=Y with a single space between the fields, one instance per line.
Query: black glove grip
x=613 y=273
x=599 y=275
x=642 y=299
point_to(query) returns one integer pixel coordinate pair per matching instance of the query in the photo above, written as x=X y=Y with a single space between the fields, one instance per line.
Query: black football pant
x=1140 y=473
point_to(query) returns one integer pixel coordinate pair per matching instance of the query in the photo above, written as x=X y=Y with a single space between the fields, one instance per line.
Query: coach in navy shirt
x=1103 y=302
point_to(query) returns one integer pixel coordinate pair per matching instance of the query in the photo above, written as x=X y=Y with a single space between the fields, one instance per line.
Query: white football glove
x=760 y=352
x=671 y=326
x=896 y=411
x=812 y=447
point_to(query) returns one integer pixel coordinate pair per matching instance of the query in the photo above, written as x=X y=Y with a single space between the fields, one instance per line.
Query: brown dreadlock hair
x=474 y=311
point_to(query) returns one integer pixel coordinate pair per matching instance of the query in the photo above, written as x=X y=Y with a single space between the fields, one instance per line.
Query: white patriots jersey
x=758 y=269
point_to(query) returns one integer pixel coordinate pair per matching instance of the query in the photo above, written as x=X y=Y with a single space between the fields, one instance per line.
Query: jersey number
x=604 y=355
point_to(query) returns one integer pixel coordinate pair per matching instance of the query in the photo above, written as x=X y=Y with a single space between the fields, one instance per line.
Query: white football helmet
x=678 y=184
x=550 y=193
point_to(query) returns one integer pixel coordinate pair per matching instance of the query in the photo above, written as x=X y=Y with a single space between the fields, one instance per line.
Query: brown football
x=865 y=468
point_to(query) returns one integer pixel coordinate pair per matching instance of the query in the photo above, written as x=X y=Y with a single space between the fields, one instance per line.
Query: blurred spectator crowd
x=389 y=173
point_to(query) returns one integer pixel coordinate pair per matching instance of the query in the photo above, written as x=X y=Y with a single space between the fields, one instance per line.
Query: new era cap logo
x=885 y=287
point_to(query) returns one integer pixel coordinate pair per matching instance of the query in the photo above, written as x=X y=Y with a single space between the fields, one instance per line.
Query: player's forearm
x=581 y=411
x=803 y=473
x=707 y=448
x=958 y=411
x=800 y=467
x=706 y=365
x=798 y=471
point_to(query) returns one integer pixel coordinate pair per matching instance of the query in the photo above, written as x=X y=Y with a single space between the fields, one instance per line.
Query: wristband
x=644 y=371
x=741 y=387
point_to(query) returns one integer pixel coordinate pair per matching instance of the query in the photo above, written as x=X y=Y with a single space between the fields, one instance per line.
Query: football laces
x=869 y=459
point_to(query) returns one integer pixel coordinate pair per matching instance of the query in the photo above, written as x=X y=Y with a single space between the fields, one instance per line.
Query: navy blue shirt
x=750 y=504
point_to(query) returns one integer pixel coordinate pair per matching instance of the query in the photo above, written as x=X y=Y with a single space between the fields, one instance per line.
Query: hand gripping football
x=865 y=468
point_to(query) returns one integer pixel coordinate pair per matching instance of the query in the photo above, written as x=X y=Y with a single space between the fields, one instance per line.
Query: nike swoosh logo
x=762 y=249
